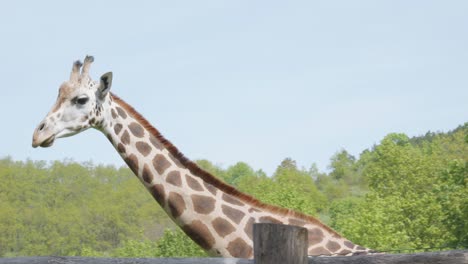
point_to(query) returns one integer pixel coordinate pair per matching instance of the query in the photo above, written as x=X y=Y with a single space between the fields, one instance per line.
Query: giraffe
x=215 y=215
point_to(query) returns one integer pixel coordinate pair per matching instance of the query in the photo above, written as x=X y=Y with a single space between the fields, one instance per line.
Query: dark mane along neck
x=207 y=177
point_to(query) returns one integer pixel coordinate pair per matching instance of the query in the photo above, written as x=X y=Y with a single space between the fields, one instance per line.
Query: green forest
x=402 y=193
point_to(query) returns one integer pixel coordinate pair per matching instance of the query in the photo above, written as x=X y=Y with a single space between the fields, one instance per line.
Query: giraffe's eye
x=80 y=100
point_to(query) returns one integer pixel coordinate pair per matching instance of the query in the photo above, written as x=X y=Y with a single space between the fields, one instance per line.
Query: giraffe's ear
x=105 y=85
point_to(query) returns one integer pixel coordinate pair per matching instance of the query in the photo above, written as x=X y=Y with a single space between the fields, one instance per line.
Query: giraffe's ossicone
x=215 y=215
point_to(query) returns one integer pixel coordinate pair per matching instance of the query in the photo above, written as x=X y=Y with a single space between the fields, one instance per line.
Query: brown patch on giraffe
x=92 y=121
x=315 y=236
x=113 y=113
x=125 y=138
x=155 y=142
x=160 y=163
x=200 y=234
x=210 y=188
x=238 y=248
x=132 y=162
x=121 y=112
x=121 y=148
x=173 y=178
x=318 y=252
x=230 y=199
x=269 y=219
x=344 y=252
x=157 y=191
x=203 y=204
x=232 y=213
x=117 y=128
x=147 y=175
x=249 y=227
x=136 y=129
x=332 y=246
x=143 y=148
x=99 y=124
x=98 y=110
x=296 y=222
x=348 y=244
x=176 y=204
x=192 y=183
x=253 y=209
x=222 y=227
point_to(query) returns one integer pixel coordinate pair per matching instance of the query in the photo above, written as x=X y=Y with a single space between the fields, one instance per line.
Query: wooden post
x=279 y=244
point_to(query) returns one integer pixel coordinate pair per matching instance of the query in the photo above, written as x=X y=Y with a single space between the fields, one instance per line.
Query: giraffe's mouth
x=48 y=142
x=44 y=143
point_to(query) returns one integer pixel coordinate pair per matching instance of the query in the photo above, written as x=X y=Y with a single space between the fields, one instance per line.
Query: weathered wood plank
x=279 y=244
x=445 y=257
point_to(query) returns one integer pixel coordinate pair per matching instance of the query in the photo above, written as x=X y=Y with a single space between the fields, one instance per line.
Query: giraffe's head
x=80 y=105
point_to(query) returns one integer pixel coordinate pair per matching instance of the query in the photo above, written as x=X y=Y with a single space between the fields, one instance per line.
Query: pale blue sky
x=229 y=81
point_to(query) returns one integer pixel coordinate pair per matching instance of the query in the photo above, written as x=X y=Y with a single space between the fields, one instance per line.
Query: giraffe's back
x=322 y=239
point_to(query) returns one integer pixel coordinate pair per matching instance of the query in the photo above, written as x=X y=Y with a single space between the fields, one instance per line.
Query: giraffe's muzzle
x=42 y=137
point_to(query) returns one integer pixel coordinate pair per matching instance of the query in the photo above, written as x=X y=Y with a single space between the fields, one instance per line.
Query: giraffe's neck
x=215 y=215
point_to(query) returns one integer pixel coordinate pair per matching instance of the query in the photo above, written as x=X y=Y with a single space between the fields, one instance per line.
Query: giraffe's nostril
x=41 y=126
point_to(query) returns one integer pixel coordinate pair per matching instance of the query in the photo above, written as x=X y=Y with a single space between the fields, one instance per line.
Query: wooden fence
x=273 y=244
